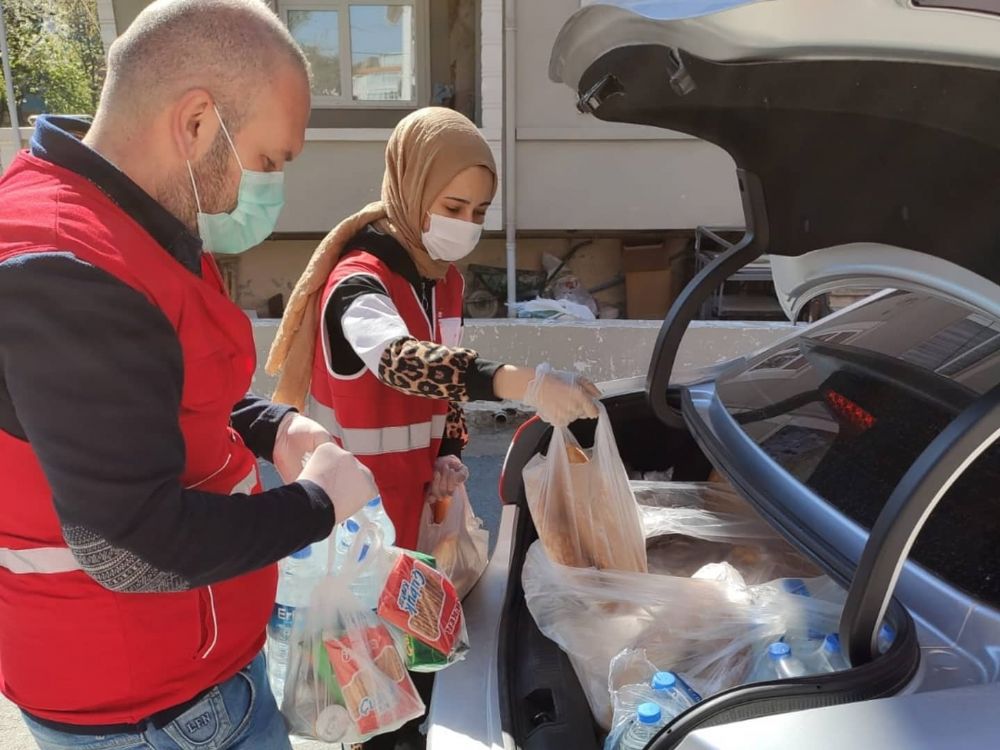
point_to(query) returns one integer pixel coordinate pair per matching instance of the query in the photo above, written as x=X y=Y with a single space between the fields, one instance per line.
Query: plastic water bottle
x=780 y=664
x=830 y=657
x=298 y=576
x=669 y=695
x=647 y=722
x=374 y=511
x=343 y=540
x=805 y=628
x=886 y=635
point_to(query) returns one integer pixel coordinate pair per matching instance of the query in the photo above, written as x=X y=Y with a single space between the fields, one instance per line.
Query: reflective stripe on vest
x=38 y=560
x=380 y=440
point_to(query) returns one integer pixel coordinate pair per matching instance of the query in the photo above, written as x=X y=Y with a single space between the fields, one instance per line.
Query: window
x=363 y=53
x=852 y=403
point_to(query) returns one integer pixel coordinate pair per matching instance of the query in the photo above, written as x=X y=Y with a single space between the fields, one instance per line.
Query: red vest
x=70 y=650
x=394 y=434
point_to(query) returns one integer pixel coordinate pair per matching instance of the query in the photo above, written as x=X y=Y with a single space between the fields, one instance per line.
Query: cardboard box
x=654 y=276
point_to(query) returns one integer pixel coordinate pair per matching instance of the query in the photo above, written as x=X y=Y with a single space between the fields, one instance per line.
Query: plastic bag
x=711 y=629
x=456 y=540
x=553 y=309
x=346 y=680
x=582 y=504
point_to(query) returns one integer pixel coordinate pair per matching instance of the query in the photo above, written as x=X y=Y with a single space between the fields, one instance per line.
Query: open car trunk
x=862 y=157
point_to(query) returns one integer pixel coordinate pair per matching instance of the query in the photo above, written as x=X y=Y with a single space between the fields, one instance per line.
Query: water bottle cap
x=375 y=501
x=779 y=651
x=831 y=644
x=887 y=632
x=648 y=713
x=351 y=525
x=303 y=553
x=664 y=680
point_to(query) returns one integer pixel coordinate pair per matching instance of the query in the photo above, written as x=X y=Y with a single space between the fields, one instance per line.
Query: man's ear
x=194 y=124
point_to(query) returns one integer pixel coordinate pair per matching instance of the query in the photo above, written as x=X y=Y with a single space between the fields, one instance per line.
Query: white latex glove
x=561 y=397
x=297 y=437
x=449 y=473
x=347 y=482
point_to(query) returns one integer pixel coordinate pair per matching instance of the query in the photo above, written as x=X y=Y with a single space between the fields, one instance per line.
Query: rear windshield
x=849 y=406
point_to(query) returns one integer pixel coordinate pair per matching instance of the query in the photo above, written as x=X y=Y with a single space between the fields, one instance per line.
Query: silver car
x=866 y=135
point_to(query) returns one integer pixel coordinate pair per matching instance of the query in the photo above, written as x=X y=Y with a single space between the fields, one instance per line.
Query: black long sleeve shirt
x=91 y=375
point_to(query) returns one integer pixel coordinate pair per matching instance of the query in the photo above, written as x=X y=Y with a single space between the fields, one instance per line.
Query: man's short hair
x=231 y=48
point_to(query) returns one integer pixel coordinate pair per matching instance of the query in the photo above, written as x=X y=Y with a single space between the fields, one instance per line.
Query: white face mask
x=451 y=239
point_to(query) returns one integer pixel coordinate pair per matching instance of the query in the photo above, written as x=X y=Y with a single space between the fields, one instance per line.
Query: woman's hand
x=559 y=397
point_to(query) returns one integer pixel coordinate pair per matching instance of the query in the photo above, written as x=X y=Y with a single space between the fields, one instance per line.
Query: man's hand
x=346 y=481
x=297 y=437
x=449 y=473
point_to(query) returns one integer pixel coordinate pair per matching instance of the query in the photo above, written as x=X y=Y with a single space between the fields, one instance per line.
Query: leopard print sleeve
x=422 y=368
x=455 y=427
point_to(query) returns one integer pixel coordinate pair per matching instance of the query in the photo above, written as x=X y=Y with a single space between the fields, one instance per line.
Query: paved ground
x=484 y=458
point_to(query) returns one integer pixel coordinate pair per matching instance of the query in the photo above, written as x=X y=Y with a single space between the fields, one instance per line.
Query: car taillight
x=850 y=412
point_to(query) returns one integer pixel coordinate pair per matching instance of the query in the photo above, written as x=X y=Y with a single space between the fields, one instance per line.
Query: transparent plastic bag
x=690 y=525
x=458 y=542
x=582 y=504
x=712 y=628
x=346 y=680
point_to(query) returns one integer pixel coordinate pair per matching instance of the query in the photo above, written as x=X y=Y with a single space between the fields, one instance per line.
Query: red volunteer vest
x=394 y=434
x=70 y=650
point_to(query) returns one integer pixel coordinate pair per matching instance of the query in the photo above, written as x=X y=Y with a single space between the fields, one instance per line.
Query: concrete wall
x=603 y=351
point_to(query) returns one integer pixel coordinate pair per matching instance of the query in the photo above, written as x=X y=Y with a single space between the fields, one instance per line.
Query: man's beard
x=176 y=194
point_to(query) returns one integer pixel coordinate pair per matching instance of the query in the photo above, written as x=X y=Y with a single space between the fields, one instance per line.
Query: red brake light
x=855 y=415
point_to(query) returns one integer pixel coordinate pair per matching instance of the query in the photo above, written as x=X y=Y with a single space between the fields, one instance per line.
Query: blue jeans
x=239 y=714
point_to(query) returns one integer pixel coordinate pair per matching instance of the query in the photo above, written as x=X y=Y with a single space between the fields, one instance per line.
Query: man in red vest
x=137 y=550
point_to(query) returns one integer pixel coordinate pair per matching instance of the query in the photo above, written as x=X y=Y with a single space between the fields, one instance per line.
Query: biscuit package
x=422 y=603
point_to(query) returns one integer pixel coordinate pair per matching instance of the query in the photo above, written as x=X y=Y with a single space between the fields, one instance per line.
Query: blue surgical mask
x=261 y=198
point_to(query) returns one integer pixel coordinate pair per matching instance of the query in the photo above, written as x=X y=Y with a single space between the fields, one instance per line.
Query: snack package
x=417 y=656
x=346 y=681
x=372 y=709
x=421 y=602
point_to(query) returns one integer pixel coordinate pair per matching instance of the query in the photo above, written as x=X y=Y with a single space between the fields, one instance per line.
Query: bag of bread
x=346 y=680
x=582 y=504
x=452 y=534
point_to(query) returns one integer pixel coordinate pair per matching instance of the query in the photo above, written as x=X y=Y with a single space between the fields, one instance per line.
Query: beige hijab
x=426 y=151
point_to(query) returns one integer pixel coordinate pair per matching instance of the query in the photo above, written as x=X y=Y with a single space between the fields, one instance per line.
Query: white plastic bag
x=455 y=539
x=582 y=504
x=346 y=680
x=712 y=628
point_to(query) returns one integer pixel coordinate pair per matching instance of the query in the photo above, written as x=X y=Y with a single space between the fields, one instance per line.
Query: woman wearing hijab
x=373 y=327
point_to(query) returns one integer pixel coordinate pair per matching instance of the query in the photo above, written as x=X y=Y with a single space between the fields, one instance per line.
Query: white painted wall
x=577 y=172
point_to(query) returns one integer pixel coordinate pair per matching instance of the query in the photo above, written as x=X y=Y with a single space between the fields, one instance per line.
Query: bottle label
x=687 y=690
x=280 y=625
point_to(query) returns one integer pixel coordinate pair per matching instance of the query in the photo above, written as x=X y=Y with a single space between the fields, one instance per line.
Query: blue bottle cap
x=887 y=633
x=779 y=651
x=831 y=644
x=303 y=553
x=351 y=525
x=664 y=680
x=364 y=553
x=375 y=501
x=648 y=713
